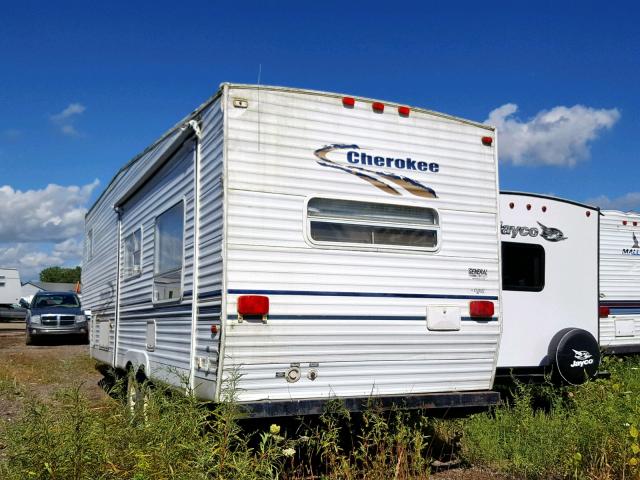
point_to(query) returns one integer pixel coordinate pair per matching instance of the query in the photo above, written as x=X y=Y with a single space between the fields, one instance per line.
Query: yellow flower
x=274 y=429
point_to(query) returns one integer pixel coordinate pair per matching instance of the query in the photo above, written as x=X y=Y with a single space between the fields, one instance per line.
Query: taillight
x=253 y=305
x=604 y=312
x=481 y=309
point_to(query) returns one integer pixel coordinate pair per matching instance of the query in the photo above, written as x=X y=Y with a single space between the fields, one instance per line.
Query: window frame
x=124 y=254
x=178 y=298
x=544 y=268
x=437 y=228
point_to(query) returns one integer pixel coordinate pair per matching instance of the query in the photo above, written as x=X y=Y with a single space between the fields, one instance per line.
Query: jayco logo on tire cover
x=582 y=358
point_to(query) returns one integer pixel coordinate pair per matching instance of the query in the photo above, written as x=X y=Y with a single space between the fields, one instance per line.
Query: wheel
x=575 y=354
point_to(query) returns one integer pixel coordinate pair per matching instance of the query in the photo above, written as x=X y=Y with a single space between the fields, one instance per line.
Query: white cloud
x=558 y=137
x=627 y=202
x=42 y=228
x=71 y=110
x=52 y=214
x=64 y=119
x=31 y=259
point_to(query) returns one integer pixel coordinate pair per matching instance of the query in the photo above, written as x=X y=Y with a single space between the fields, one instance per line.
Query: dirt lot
x=43 y=369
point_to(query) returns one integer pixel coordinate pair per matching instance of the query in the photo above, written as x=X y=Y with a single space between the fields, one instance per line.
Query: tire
x=575 y=356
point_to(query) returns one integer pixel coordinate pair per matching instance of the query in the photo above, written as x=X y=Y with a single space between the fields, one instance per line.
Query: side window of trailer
x=133 y=254
x=372 y=225
x=522 y=267
x=169 y=254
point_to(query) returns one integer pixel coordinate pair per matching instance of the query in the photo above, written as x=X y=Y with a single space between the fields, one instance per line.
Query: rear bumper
x=315 y=406
x=621 y=349
x=39 y=330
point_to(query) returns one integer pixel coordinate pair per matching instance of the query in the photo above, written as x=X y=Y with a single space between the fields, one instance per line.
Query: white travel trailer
x=549 y=287
x=620 y=282
x=10 y=287
x=303 y=245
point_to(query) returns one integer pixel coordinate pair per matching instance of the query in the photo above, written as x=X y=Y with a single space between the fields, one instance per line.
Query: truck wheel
x=575 y=355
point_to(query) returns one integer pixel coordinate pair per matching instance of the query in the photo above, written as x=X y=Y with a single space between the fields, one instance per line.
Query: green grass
x=582 y=432
x=545 y=432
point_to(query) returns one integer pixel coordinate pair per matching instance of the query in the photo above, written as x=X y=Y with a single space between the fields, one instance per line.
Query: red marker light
x=544 y=209
x=253 y=305
x=604 y=312
x=528 y=206
x=487 y=141
x=511 y=205
x=378 y=107
x=588 y=213
x=481 y=309
x=404 y=111
x=635 y=224
x=348 y=101
x=624 y=222
x=214 y=329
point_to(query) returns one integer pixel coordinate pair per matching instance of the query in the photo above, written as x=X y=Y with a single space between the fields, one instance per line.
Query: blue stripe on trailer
x=361 y=317
x=358 y=294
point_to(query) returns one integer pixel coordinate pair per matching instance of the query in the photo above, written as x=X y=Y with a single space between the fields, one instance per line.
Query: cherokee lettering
x=355 y=157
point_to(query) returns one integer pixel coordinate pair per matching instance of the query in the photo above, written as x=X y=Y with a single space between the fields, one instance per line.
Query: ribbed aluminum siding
x=170 y=358
x=359 y=315
x=99 y=272
x=619 y=276
x=210 y=257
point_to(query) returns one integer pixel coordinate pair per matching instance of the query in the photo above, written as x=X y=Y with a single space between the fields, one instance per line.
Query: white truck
x=303 y=245
x=10 y=292
x=549 y=288
x=620 y=282
x=10 y=287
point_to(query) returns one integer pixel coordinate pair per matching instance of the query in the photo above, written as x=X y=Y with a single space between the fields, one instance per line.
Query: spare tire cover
x=576 y=355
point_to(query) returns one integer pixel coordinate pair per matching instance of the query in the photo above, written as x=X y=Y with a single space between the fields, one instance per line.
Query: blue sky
x=84 y=87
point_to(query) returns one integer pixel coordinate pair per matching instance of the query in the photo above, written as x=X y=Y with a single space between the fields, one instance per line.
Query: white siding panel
x=356 y=316
x=619 y=277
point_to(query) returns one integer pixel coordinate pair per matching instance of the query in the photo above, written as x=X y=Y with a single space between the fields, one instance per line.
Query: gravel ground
x=40 y=371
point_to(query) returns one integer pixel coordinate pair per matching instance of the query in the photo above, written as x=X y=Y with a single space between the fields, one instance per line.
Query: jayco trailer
x=549 y=287
x=307 y=245
x=10 y=286
x=620 y=282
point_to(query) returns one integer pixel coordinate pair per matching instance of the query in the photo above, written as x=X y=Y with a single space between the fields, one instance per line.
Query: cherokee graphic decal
x=388 y=182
